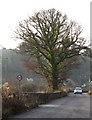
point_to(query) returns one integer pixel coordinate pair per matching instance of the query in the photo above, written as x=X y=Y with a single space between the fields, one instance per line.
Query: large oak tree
x=52 y=39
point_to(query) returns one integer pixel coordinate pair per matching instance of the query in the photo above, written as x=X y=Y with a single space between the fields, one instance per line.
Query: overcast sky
x=13 y=11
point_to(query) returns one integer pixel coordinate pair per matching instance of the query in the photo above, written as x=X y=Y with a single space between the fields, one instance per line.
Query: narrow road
x=72 y=106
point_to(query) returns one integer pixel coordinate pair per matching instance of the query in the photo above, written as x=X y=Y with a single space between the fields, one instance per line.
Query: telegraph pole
x=6 y=69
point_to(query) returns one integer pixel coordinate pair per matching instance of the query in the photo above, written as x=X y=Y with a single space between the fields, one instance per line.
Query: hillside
x=13 y=65
x=81 y=74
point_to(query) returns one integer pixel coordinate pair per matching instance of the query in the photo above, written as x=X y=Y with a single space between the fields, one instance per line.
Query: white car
x=78 y=90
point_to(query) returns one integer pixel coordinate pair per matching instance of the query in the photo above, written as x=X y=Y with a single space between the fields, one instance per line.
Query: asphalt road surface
x=72 y=106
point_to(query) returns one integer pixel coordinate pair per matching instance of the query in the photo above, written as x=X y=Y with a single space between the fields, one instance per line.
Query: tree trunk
x=55 y=83
x=54 y=77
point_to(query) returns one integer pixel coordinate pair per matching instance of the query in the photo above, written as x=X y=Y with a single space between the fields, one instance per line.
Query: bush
x=12 y=106
x=18 y=106
x=90 y=92
x=28 y=87
x=6 y=113
x=31 y=100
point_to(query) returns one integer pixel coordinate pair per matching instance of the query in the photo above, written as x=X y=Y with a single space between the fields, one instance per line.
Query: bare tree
x=51 y=38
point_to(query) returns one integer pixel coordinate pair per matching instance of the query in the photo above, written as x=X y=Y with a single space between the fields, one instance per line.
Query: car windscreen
x=78 y=88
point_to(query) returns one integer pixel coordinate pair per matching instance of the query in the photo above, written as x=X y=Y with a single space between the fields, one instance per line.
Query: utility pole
x=6 y=69
x=5 y=63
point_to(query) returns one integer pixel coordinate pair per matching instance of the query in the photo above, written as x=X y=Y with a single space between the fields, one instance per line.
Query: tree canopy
x=52 y=39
